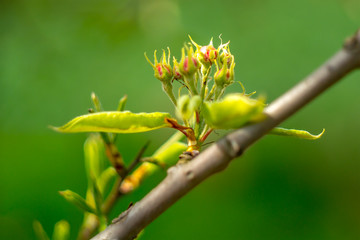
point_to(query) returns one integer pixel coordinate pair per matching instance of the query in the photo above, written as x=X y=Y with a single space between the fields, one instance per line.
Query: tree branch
x=183 y=177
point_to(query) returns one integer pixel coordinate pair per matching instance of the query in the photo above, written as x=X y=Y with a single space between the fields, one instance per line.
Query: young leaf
x=98 y=198
x=122 y=103
x=93 y=151
x=106 y=178
x=77 y=200
x=103 y=223
x=96 y=102
x=154 y=161
x=168 y=156
x=61 y=231
x=186 y=106
x=39 y=231
x=295 y=133
x=116 y=122
x=234 y=111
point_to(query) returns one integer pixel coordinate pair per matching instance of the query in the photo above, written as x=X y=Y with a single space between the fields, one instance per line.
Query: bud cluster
x=194 y=71
x=194 y=68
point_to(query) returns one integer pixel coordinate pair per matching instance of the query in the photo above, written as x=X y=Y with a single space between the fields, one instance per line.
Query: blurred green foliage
x=53 y=54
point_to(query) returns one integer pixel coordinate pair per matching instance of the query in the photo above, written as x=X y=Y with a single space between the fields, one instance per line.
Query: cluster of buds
x=187 y=70
x=193 y=72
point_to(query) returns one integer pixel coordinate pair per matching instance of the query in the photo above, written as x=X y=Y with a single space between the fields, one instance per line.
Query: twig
x=113 y=197
x=138 y=158
x=182 y=178
x=115 y=157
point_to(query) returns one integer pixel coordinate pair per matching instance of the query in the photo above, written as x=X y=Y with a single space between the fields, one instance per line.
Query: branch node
x=352 y=43
x=189 y=174
x=230 y=148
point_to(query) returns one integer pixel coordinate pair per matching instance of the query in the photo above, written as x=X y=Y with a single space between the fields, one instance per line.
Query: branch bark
x=183 y=177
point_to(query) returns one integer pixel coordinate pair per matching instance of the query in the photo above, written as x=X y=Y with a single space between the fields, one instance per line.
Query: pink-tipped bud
x=176 y=70
x=188 y=64
x=225 y=56
x=206 y=54
x=224 y=76
x=162 y=70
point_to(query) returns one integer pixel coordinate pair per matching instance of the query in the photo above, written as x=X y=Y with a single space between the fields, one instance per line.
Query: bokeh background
x=53 y=54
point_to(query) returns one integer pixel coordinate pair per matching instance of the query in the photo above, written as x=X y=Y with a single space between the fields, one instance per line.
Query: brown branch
x=183 y=177
x=115 y=158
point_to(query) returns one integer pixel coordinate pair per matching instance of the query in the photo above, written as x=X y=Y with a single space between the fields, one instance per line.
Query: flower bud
x=225 y=75
x=188 y=64
x=162 y=69
x=182 y=110
x=225 y=56
x=186 y=107
x=206 y=54
x=176 y=70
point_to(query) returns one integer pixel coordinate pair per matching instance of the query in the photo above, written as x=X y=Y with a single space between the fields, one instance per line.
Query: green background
x=53 y=54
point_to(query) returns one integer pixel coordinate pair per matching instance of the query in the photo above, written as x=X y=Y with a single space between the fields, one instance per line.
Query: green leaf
x=39 y=231
x=186 y=106
x=61 y=231
x=94 y=151
x=234 y=111
x=106 y=178
x=77 y=200
x=154 y=161
x=168 y=156
x=122 y=103
x=103 y=223
x=171 y=154
x=96 y=102
x=296 y=133
x=98 y=198
x=116 y=122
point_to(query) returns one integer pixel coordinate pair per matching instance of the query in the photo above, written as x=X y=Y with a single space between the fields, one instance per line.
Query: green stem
x=191 y=83
x=218 y=92
x=167 y=87
x=206 y=128
x=211 y=93
x=204 y=83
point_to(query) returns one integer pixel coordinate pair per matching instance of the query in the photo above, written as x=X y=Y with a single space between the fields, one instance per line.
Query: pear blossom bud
x=225 y=75
x=188 y=64
x=176 y=70
x=206 y=54
x=162 y=70
x=225 y=56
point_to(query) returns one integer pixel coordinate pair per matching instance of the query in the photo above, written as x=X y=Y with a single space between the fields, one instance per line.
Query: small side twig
x=138 y=157
x=115 y=192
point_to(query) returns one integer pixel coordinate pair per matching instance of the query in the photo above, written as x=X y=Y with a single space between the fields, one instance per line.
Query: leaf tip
x=65 y=193
x=319 y=135
x=62 y=193
x=56 y=129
